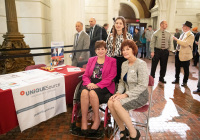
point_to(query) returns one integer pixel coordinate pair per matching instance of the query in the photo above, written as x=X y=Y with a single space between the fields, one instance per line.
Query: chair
x=145 y=110
x=34 y=66
x=76 y=113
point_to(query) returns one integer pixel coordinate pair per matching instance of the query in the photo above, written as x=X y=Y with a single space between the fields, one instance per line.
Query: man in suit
x=198 y=84
x=184 y=52
x=95 y=34
x=177 y=35
x=104 y=31
x=160 y=44
x=81 y=42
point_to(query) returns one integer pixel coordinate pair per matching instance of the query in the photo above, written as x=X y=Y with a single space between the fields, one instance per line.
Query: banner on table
x=39 y=101
x=57 y=53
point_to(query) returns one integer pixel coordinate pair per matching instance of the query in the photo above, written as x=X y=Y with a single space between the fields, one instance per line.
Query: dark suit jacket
x=104 y=34
x=97 y=33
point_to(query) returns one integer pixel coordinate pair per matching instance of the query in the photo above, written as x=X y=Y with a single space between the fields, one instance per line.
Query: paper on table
x=73 y=69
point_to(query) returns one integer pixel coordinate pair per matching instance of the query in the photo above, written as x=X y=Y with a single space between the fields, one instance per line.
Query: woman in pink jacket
x=97 y=86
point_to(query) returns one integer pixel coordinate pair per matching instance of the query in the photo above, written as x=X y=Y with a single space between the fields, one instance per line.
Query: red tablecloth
x=8 y=117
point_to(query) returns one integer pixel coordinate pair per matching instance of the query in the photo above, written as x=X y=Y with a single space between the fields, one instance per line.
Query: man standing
x=81 y=42
x=148 y=36
x=161 y=44
x=198 y=85
x=104 y=31
x=177 y=35
x=95 y=34
x=184 y=52
x=195 y=46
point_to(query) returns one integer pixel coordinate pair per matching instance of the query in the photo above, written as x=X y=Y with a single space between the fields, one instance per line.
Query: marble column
x=113 y=11
x=13 y=40
x=110 y=13
x=171 y=16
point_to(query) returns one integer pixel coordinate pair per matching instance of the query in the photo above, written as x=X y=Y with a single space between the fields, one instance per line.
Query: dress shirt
x=156 y=40
x=77 y=37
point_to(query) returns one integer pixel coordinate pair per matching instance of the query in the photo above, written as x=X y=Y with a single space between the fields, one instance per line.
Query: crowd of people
x=113 y=60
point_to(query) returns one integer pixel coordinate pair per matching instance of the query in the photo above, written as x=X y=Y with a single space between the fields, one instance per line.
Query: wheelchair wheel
x=76 y=93
x=108 y=131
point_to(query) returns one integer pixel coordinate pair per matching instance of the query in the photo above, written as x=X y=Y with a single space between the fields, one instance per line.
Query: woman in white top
x=114 y=42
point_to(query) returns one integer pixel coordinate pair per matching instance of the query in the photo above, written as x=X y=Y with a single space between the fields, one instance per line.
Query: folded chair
x=145 y=110
x=34 y=66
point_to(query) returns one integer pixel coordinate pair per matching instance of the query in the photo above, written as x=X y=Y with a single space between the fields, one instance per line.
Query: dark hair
x=123 y=30
x=100 y=44
x=106 y=24
x=137 y=29
x=150 y=26
x=131 y=44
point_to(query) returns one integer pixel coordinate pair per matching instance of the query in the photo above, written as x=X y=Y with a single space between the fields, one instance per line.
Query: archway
x=132 y=6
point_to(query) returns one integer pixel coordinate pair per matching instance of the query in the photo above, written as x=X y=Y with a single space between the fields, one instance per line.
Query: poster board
x=57 y=53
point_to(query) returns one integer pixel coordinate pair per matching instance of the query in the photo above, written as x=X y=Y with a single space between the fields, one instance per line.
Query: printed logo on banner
x=22 y=93
x=37 y=90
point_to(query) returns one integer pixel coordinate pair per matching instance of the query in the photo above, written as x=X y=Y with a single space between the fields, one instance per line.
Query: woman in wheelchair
x=97 y=86
x=132 y=90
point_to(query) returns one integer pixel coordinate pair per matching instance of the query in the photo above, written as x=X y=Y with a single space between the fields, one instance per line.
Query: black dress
x=103 y=94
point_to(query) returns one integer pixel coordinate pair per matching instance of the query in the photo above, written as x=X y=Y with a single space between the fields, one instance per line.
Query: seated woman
x=132 y=90
x=97 y=86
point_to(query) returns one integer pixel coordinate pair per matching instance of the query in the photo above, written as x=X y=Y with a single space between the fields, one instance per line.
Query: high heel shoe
x=95 y=133
x=127 y=132
x=124 y=134
x=137 y=136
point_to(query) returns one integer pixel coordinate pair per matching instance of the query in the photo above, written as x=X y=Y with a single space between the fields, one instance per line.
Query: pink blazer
x=108 y=73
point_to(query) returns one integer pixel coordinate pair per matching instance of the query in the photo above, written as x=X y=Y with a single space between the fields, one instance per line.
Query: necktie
x=91 y=33
x=163 y=40
x=178 y=46
x=77 y=35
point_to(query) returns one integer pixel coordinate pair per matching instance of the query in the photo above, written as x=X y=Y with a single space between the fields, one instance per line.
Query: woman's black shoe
x=95 y=133
x=76 y=131
x=83 y=133
x=127 y=132
x=137 y=136
x=124 y=134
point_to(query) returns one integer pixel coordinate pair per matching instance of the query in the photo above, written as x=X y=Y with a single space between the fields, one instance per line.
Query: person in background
x=148 y=36
x=97 y=88
x=143 y=41
x=95 y=33
x=161 y=44
x=136 y=37
x=195 y=46
x=198 y=84
x=81 y=42
x=177 y=35
x=104 y=31
x=132 y=90
x=114 y=41
x=184 y=53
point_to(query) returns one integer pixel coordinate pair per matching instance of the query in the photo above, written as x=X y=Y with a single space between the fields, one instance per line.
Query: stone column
x=13 y=40
x=171 y=15
x=113 y=11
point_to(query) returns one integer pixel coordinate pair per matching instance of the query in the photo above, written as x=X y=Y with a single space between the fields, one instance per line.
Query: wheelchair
x=108 y=122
